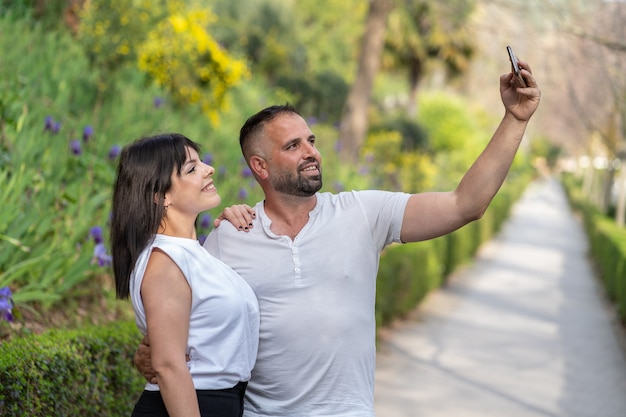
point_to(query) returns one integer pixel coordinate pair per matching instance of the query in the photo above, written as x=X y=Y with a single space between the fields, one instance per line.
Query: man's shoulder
x=358 y=196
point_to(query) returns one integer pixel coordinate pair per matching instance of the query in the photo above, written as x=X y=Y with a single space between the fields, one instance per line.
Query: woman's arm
x=167 y=300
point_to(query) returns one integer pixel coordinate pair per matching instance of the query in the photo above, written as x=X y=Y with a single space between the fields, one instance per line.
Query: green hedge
x=607 y=244
x=87 y=372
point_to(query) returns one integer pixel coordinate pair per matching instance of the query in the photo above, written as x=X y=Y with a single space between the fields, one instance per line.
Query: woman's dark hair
x=144 y=175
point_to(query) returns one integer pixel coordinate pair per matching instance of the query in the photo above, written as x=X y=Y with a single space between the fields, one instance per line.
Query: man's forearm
x=483 y=180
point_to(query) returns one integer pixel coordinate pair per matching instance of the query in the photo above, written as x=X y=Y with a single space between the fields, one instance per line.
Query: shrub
x=86 y=372
x=607 y=245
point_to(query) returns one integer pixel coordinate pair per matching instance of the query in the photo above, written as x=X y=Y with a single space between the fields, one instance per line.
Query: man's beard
x=298 y=185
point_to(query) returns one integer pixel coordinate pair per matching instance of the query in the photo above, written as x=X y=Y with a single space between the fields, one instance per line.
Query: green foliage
x=457 y=133
x=331 y=33
x=46 y=189
x=545 y=149
x=395 y=169
x=285 y=37
x=407 y=273
x=321 y=95
x=450 y=123
x=79 y=373
x=421 y=33
x=414 y=137
x=11 y=110
x=294 y=47
x=48 y=13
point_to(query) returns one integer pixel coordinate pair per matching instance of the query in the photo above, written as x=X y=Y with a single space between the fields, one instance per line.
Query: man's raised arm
x=433 y=214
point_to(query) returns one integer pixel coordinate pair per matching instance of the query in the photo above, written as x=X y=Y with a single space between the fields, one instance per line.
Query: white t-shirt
x=224 y=322
x=316 y=294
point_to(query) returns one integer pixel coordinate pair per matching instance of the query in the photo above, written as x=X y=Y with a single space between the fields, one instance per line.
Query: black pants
x=213 y=403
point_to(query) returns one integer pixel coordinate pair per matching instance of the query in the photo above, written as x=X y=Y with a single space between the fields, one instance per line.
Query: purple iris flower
x=157 y=102
x=5 y=292
x=96 y=233
x=205 y=221
x=207 y=158
x=75 y=147
x=246 y=172
x=56 y=126
x=6 y=304
x=87 y=133
x=100 y=255
x=201 y=239
x=114 y=151
x=49 y=123
x=243 y=193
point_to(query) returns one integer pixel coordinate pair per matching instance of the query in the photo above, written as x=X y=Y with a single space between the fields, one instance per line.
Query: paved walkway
x=522 y=332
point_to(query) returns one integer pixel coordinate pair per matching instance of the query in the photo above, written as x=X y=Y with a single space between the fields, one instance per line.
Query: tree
x=354 y=119
x=422 y=32
x=600 y=99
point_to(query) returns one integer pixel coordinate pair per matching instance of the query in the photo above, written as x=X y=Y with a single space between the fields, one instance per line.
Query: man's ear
x=258 y=165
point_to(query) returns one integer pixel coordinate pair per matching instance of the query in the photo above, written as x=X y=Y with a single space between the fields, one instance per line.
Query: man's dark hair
x=258 y=120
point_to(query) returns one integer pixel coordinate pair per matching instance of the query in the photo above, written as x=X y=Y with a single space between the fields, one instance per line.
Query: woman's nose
x=209 y=170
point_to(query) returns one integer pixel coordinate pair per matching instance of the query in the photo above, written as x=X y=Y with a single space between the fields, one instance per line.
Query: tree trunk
x=354 y=123
x=415 y=75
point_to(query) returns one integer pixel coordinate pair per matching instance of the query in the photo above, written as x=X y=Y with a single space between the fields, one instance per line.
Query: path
x=524 y=331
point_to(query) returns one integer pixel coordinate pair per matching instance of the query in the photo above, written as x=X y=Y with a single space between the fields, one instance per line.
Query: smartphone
x=514 y=64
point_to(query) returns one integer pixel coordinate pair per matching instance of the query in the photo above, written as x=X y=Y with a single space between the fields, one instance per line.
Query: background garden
x=80 y=79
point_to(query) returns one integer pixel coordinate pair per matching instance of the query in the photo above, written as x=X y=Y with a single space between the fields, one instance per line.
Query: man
x=312 y=258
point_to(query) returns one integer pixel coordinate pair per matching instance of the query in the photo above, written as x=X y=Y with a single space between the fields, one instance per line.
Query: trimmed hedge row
x=87 y=372
x=607 y=244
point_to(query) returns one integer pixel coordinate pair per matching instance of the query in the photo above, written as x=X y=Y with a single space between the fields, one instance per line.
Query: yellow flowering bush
x=182 y=57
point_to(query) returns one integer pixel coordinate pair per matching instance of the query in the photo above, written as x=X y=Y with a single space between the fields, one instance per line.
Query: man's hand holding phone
x=515 y=67
x=519 y=90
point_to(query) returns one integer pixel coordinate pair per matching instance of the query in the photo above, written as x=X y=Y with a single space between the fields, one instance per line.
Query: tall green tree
x=422 y=32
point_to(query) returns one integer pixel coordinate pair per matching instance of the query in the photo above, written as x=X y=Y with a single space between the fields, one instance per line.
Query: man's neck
x=289 y=214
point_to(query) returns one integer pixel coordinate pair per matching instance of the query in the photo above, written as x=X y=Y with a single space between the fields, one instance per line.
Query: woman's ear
x=258 y=165
x=158 y=200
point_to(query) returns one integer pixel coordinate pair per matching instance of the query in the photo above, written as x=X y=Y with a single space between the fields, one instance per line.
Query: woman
x=202 y=318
